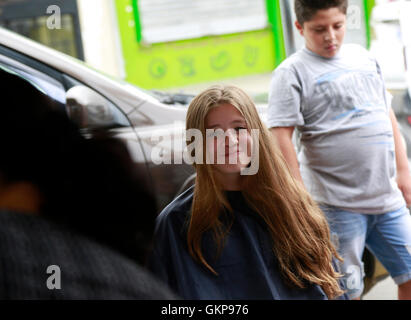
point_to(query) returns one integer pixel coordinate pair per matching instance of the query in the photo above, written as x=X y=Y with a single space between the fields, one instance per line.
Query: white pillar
x=100 y=36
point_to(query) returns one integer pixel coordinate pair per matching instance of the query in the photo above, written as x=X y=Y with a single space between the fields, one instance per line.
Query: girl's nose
x=231 y=137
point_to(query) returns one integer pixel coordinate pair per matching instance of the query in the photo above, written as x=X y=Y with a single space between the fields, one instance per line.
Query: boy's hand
x=283 y=139
x=403 y=171
x=404 y=184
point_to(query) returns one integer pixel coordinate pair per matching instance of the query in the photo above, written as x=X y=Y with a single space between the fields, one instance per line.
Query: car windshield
x=162 y=96
x=171 y=98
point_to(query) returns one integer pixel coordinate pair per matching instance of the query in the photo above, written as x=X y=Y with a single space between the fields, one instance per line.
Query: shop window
x=29 y=18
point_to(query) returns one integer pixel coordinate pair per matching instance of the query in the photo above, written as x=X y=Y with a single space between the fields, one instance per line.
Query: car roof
x=118 y=91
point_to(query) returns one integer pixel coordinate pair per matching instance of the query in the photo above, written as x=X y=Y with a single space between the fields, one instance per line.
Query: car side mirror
x=88 y=108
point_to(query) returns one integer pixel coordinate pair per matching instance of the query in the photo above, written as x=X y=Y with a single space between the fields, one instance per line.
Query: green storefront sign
x=183 y=62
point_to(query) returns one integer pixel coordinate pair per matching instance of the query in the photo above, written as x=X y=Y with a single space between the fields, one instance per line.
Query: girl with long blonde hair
x=239 y=235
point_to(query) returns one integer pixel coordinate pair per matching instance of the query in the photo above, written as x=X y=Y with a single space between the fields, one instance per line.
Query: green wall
x=368 y=5
x=180 y=63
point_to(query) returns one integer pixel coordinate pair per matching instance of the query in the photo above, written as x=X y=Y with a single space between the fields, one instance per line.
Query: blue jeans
x=387 y=236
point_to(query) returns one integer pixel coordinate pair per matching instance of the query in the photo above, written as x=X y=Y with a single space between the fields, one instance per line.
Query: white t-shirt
x=341 y=109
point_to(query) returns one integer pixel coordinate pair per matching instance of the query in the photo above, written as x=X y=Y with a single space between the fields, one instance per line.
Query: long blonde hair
x=298 y=228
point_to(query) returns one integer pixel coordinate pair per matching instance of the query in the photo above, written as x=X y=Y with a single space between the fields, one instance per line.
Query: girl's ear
x=299 y=27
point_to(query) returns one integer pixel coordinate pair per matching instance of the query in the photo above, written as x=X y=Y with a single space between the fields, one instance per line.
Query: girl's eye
x=215 y=133
x=239 y=128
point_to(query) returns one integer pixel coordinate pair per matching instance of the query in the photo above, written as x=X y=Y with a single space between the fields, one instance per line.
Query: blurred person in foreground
x=71 y=203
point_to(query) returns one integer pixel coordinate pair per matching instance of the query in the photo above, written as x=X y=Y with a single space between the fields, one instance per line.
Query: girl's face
x=228 y=141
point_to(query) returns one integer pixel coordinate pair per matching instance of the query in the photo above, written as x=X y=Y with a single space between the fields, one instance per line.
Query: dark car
x=150 y=122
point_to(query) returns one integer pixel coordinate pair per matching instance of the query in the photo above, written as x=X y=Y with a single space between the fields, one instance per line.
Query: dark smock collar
x=247 y=267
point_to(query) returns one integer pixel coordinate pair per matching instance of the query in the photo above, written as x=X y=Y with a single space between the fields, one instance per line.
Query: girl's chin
x=230 y=168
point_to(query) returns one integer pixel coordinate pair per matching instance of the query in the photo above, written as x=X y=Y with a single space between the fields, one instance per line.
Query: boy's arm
x=403 y=171
x=283 y=136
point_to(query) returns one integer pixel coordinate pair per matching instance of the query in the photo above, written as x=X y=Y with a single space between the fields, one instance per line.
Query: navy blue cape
x=247 y=267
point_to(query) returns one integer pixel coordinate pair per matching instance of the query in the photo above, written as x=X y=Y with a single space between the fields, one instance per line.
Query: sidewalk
x=384 y=290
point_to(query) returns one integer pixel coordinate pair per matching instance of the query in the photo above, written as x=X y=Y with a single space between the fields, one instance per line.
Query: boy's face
x=324 y=33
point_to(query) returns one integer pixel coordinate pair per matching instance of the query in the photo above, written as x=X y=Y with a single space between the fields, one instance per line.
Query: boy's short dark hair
x=306 y=9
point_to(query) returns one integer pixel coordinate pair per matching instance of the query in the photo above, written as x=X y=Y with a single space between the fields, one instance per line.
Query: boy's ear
x=299 y=27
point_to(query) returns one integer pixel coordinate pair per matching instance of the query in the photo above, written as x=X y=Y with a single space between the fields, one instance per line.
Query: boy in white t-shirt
x=352 y=159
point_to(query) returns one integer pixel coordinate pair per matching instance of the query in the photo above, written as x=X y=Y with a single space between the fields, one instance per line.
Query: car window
x=99 y=113
x=43 y=82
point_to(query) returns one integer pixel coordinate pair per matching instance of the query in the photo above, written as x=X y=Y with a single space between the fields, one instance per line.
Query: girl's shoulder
x=179 y=209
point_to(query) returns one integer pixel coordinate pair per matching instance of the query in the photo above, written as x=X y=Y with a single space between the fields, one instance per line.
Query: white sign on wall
x=170 y=20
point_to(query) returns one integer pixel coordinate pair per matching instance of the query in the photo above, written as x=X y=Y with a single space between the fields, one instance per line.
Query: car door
x=69 y=91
